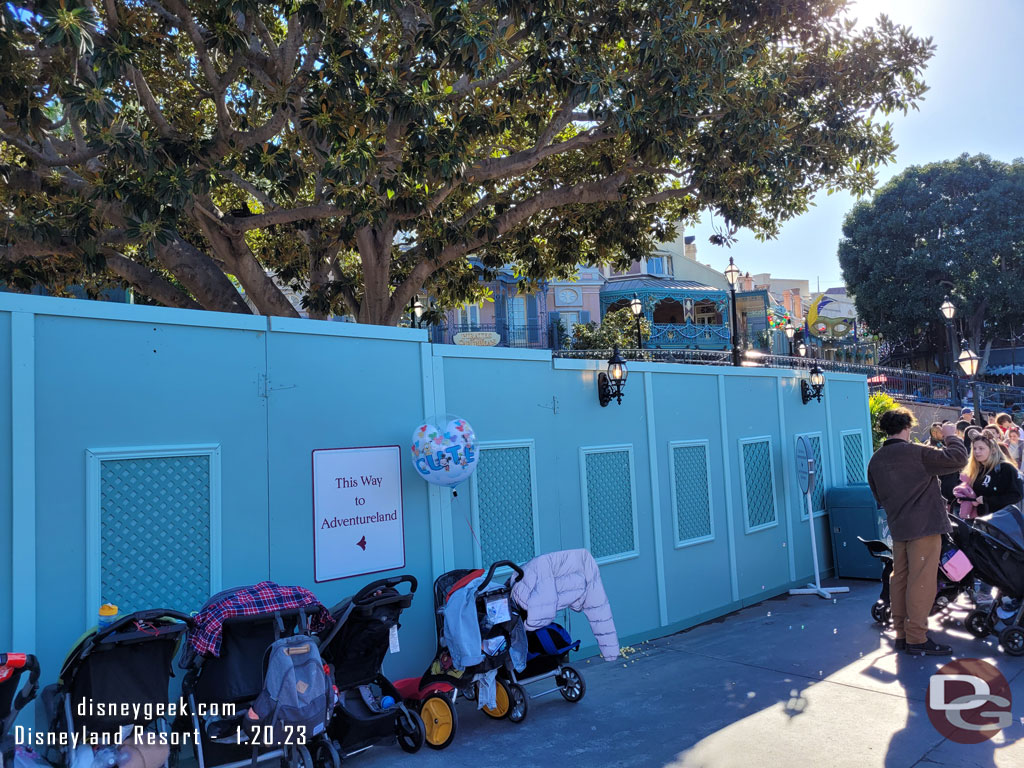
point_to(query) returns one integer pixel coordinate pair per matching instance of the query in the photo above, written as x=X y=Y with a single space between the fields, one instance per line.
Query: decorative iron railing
x=671 y=334
x=900 y=382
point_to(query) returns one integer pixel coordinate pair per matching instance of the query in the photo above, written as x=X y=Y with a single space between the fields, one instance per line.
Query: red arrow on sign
x=362 y=543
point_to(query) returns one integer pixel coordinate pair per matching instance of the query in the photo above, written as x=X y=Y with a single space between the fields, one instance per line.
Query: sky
x=975 y=104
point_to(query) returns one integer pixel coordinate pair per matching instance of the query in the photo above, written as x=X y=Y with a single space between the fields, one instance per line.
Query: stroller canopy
x=1009 y=523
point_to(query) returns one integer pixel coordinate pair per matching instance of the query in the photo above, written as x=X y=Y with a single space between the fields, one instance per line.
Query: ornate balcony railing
x=687 y=335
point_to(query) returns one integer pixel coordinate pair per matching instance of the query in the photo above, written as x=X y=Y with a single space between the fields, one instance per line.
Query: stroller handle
x=494 y=566
x=392 y=582
x=27 y=662
x=150 y=615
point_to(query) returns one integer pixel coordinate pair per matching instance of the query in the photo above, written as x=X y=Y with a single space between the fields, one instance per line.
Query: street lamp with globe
x=637 y=307
x=949 y=311
x=968 y=361
x=732 y=274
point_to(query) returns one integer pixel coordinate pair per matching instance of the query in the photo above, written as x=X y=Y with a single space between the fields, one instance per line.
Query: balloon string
x=470 y=524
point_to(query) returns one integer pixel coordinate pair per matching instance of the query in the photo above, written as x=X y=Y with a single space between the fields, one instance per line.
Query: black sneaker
x=928 y=648
x=900 y=644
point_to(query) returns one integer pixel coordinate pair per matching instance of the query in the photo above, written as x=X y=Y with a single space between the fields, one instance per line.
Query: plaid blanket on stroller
x=265 y=597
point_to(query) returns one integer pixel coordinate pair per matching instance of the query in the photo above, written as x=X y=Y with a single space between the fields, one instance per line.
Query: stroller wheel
x=519 y=703
x=1012 y=640
x=502 y=701
x=411 y=733
x=300 y=757
x=571 y=685
x=881 y=612
x=470 y=693
x=978 y=623
x=325 y=755
x=440 y=720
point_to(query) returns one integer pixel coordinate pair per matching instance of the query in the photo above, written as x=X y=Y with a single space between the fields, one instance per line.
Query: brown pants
x=913 y=584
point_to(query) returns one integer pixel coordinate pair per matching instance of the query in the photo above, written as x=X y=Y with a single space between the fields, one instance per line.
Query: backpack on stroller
x=369 y=709
x=499 y=623
x=116 y=678
x=995 y=545
x=251 y=651
x=547 y=657
x=12 y=700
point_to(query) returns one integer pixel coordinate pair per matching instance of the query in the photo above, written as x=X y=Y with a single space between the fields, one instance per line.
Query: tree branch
x=147 y=281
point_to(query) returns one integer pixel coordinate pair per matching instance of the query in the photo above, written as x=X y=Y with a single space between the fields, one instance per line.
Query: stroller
x=947 y=593
x=12 y=700
x=220 y=689
x=547 y=657
x=499 y=619
x=365 y=627
x=995 y=546
x=125 y=667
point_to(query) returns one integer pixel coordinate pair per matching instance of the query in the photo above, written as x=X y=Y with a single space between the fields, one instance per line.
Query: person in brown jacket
x=904 y=480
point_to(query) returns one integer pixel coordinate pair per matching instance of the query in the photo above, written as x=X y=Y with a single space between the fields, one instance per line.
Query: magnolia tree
x=359 y=152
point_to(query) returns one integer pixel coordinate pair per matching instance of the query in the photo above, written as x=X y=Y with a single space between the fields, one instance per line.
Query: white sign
x=357 y=512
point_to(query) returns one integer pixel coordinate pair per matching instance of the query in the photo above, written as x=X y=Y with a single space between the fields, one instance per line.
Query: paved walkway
x=794 y=681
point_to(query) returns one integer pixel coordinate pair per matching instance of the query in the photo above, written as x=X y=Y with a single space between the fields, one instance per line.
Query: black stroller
x=498 y=617
x=947 y=593
x=995 y=546
x=369 y=709
x=219 y=691
x=12 y=700
x=127 y=665
x=547 y=658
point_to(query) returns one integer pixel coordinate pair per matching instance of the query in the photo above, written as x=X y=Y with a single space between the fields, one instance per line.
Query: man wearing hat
x=967 y=414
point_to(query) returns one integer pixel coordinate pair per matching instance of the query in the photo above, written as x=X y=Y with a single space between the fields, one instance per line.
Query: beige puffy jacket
x=567 y=579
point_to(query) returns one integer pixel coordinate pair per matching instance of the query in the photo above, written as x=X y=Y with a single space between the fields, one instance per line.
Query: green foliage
x=953 y=229
x=363 y=150
x=878 y=404
x=617 y=329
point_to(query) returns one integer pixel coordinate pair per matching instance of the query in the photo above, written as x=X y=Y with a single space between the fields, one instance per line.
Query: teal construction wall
x=129 y=413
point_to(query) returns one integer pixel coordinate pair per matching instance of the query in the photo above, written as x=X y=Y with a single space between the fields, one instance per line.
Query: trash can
x=852 y=512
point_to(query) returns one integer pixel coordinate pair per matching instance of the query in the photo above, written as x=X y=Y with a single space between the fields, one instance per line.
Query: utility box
x=852 y=512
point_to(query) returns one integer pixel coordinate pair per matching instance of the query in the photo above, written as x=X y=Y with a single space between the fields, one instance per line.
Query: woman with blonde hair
x=995 y=480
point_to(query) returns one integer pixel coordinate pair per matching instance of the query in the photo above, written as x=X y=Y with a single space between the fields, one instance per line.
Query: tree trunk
x=201 y=276
x=234 y=252
x=377 y=307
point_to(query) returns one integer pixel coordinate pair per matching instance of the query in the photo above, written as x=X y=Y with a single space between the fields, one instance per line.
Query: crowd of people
x=966 y=469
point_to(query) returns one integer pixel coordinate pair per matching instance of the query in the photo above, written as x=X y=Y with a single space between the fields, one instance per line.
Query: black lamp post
x=732 y=274
x=416 y=310
x=790 y=333
x=637 y=307
x=948 y=312
x=968 y=361
x=610 y=384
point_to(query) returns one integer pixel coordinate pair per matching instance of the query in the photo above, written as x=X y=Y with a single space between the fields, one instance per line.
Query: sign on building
x=357 y=512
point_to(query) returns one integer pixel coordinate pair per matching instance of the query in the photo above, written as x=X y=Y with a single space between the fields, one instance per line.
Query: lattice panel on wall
x=610 y=503
x=155 y=532
x=853 y=456
x=693 y=498
x=505 y=499
x=757 y=476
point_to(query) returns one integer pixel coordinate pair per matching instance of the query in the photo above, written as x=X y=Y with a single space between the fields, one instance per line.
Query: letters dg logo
x=969 y=701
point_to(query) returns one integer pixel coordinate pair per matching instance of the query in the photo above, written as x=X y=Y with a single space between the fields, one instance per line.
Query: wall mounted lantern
x=801 y=349
x=610 y=384
x=813 y=390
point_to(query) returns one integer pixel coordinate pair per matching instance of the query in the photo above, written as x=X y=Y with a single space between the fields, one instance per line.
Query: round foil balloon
x=446 y=454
